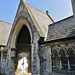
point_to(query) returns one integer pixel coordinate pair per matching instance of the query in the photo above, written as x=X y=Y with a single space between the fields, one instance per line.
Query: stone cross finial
x=22 y=0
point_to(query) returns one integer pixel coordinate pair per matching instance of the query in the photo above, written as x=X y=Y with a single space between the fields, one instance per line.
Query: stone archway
x=23 y=52
x=22 y=44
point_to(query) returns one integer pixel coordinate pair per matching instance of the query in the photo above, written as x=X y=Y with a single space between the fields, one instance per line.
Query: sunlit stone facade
x=35 y=45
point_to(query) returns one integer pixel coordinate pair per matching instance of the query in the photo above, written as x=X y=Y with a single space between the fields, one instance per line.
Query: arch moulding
x=16 y=31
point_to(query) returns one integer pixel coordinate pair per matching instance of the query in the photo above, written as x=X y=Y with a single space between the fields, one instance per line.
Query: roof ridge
x=62 y=20
x=38 y=24
x=42 y=12
x=5 y=22
x=37 y=8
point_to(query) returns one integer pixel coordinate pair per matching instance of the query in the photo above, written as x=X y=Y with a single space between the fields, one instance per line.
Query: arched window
x=63 y=59
x=55 y=60
x=71 y=54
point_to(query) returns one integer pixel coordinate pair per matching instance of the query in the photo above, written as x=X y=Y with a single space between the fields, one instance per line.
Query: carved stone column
x=50 y=59
x=60 y=62
x=32 y=52
x=68 y=60
x=53 y=61
x=11 y=61
x=8 y=61
x=35 y=60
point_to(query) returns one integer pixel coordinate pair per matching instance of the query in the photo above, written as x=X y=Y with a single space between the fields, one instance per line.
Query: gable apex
x=39 y=19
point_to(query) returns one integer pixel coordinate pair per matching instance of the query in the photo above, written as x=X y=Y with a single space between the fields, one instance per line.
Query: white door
x=23 y=63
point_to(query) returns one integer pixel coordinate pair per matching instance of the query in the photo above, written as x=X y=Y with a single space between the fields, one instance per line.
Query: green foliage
x=1 y=74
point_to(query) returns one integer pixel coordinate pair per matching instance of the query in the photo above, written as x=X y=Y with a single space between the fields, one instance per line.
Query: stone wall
x=45 y=60
x=62 y=47
x=73 y=5
x=3 y=62
x=0 y=59
x=65 y=47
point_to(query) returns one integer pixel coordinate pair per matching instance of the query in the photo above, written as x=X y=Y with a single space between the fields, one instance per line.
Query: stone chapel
x=36 y=45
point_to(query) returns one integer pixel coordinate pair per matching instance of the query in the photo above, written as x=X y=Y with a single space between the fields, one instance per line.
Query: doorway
x=23 y=52
x=24 y=63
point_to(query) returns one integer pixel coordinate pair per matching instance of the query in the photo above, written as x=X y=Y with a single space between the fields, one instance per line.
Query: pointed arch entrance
x=23 y=52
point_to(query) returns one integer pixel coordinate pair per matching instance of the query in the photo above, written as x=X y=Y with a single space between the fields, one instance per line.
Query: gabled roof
x=40 y=19
x=5 y=29
x=62 y=29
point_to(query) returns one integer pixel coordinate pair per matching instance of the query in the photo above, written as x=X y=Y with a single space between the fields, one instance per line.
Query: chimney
x=47 y=12
x=73 y=6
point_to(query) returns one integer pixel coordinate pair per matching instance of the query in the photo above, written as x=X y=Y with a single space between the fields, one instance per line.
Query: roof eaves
x=5 y=22
x=58 y=40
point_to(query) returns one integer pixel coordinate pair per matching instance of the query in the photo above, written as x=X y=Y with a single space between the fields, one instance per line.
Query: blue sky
x=58 y=9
